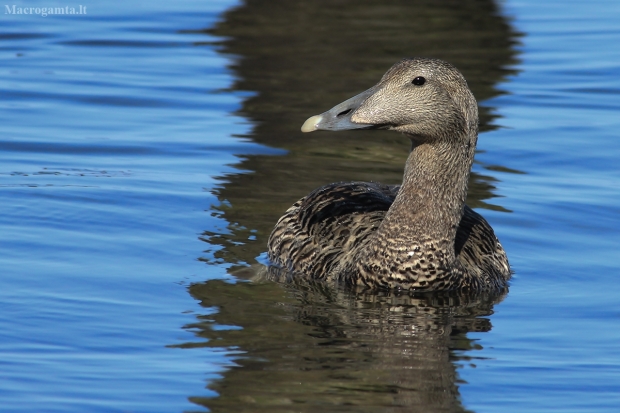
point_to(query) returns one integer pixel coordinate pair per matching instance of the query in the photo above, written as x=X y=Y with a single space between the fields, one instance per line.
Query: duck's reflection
x=311 y=347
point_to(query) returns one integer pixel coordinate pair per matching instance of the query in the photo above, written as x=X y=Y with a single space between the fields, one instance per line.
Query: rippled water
x=147 y=150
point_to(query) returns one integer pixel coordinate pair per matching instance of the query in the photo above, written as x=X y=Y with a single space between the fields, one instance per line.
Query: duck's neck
x=422 y=222
x=432 y=196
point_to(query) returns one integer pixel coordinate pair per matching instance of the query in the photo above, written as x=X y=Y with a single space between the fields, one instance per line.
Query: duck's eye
x=418 y=81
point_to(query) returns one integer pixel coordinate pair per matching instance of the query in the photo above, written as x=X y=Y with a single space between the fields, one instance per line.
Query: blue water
x=113 y=128
x=118 y=125
x=554 y=346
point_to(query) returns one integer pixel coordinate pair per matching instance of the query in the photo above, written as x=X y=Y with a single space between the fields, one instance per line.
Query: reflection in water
x=298 y=58
x=315 y=348
x=309 y=348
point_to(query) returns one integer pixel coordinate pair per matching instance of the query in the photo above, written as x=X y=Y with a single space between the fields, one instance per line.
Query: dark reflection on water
x=300 y=58
x=314 y=348
x=304 y=348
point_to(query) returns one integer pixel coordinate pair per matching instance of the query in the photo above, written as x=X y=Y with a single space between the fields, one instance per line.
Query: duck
x=418 y=236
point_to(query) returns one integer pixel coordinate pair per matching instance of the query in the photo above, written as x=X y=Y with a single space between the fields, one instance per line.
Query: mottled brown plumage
x=420 y=235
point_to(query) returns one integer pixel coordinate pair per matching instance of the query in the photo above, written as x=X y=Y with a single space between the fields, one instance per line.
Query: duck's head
x=427 y=99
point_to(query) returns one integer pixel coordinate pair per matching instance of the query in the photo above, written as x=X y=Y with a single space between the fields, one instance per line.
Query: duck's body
x=322 y=234
x=417 y=236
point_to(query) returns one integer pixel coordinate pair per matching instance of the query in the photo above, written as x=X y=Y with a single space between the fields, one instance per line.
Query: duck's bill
x=339 y=117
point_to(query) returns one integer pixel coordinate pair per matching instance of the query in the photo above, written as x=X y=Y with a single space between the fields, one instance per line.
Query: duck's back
x=323 y=229
x=321 y=233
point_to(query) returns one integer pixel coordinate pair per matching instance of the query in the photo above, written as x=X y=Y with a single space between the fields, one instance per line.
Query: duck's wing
x=479 y=250
x=323 y=230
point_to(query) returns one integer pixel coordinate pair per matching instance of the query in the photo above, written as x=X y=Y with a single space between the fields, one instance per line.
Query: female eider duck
x=419 y=236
